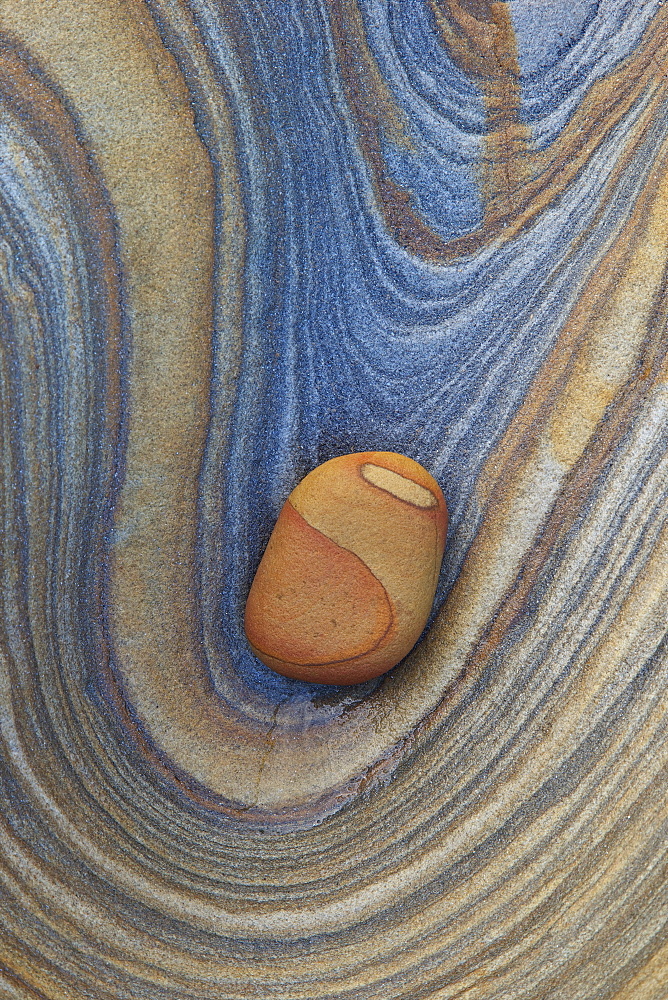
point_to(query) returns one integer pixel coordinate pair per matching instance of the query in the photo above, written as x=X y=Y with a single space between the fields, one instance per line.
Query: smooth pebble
x=347 y=580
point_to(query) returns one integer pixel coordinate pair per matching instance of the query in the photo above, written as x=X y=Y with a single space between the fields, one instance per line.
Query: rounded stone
x=347 y=580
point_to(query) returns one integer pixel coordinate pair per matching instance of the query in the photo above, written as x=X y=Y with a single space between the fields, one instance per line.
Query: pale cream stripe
x=399 y=486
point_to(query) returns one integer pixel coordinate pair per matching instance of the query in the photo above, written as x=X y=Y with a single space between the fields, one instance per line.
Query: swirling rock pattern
x=239 y=239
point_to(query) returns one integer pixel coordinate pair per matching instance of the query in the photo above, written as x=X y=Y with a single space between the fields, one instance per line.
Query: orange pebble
x=347 y=580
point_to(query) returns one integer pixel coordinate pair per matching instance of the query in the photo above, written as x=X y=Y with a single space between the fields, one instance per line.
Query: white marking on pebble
x=399 y=486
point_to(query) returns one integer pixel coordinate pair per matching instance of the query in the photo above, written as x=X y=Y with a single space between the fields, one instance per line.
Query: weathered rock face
x=348 y=577
x=232 y=234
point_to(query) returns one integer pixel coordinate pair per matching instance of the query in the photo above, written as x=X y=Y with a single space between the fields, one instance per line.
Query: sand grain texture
x=239 y=239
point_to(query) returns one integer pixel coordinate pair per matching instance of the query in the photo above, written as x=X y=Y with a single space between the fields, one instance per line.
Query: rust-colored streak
x=376 y=115
x=518 y=182
x=480 y=38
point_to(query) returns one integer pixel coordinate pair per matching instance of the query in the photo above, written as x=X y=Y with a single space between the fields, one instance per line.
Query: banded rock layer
x=236 y=240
